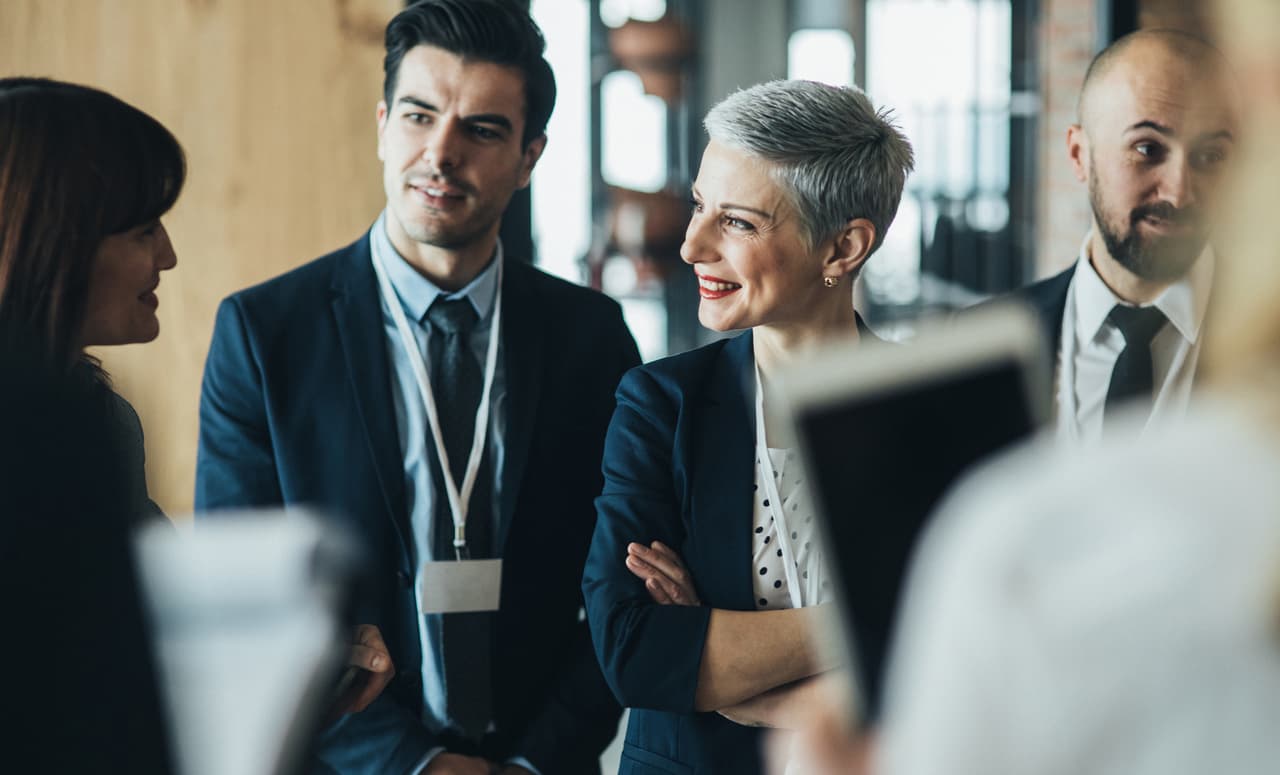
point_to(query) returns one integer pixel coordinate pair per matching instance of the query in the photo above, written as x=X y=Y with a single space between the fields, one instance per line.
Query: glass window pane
x=635 y=134
x=561 y=187
x=821 y=55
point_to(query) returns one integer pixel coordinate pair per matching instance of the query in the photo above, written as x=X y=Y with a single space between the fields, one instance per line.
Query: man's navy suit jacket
x=1048 y=299
x=296 y=408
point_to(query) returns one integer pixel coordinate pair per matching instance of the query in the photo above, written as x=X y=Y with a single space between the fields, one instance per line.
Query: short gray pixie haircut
x=833 y=154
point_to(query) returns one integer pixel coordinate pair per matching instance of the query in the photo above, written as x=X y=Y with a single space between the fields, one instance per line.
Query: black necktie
x=457 y=381
x=1132 y=376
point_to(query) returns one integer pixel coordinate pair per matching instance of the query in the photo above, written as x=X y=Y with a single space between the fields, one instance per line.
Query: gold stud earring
x=830 y=282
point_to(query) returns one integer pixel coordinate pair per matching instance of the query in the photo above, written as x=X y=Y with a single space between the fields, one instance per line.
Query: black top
x=81 y=693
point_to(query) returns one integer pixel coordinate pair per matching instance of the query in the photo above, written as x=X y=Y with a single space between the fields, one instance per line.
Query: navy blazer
x=296 y=408
x=679 y=466
x=1048 y=299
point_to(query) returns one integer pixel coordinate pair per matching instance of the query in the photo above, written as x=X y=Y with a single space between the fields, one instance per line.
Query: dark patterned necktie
x=457 y=381
x=1132 y=379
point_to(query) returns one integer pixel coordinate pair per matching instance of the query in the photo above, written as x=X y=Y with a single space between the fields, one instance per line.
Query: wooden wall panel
x=274 y=103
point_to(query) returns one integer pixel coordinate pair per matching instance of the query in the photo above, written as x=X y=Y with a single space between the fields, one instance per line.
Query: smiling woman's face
x=747 y=246
x=122 y=287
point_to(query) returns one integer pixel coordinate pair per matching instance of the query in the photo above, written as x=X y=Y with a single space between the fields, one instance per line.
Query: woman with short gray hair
x=702 y=582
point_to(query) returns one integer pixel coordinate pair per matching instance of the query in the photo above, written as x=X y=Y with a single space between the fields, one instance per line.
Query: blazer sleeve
x=235 y=466
x=383 y=739
x=650 y=654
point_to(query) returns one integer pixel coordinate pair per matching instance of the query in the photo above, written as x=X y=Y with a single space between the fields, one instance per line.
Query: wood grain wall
x=274 y=102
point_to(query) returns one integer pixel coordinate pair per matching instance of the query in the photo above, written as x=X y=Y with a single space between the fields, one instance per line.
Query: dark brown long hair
x=76 y=165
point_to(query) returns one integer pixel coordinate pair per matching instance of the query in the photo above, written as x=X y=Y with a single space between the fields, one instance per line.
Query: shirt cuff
x=426 y=760
x=520 y=761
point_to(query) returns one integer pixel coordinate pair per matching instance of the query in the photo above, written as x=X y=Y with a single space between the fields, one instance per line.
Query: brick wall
x=1067 y=43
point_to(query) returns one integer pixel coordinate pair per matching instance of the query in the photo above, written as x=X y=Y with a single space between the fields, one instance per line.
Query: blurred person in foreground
x=84 y=182
x=1117 y=612
x=1156 y=125
x=705 y=576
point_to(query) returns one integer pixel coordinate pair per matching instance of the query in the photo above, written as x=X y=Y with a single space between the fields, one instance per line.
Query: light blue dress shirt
x=415 y=295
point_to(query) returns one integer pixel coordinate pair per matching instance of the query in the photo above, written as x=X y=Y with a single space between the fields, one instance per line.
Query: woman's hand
x=786 y=707
x=663 y=573
x=826 y=743
x=746 y=653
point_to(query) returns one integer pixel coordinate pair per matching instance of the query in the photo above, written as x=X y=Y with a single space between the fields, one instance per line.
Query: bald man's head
x=1146 y=49
x=1157 y=124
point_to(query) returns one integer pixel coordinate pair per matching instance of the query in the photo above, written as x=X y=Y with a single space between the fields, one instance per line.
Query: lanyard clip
x=460 y=542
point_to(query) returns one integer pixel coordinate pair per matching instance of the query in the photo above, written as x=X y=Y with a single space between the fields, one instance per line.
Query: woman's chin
x=717 y=322
x=143 y=333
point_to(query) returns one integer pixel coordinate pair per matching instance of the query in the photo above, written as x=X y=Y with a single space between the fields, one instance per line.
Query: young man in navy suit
x=1155 y=127
x=450 y=403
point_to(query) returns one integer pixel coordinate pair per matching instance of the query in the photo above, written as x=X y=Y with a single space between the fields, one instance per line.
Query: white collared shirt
x=1091 y=343
x=416 y=294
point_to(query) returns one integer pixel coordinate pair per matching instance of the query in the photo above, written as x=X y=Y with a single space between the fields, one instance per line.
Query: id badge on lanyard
x=453 y=586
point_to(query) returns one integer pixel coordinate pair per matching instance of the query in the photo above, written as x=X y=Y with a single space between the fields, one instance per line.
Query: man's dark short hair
x=496 y=31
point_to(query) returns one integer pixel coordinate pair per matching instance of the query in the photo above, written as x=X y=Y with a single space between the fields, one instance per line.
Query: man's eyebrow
x=1221 y=134
x=416 y=102
x=497 y=119
x=1154 y=126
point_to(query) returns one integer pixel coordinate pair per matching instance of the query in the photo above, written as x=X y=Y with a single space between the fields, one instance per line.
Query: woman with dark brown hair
x=84 y=181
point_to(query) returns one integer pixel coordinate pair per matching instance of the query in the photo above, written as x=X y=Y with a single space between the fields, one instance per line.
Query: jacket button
x=404 y=579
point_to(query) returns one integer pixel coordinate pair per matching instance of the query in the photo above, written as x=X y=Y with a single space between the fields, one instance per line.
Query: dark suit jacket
x=679 y=466
x=1048 y=299
x=297 y=409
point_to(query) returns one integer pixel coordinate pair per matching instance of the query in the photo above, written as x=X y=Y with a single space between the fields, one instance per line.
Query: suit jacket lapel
x=358 y=313
x=522 y=342
x=724 y=457
x=1049 y=299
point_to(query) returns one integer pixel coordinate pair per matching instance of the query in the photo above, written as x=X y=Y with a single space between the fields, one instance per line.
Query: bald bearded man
x=1156 y=124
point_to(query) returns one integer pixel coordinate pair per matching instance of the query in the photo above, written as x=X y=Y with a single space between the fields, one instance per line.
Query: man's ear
x=380 y=116
x=850 y=248
x=532 y=153
x=1078 y=151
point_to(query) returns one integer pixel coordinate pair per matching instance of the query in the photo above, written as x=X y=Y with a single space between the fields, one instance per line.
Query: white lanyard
x=789 y=566
x=458 y=500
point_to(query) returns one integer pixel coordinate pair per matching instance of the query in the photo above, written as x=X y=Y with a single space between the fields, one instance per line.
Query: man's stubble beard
x=454 y=237
x=1159 y=259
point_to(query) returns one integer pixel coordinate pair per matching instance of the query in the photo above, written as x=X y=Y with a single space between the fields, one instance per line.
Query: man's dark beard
x=1160 y=259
